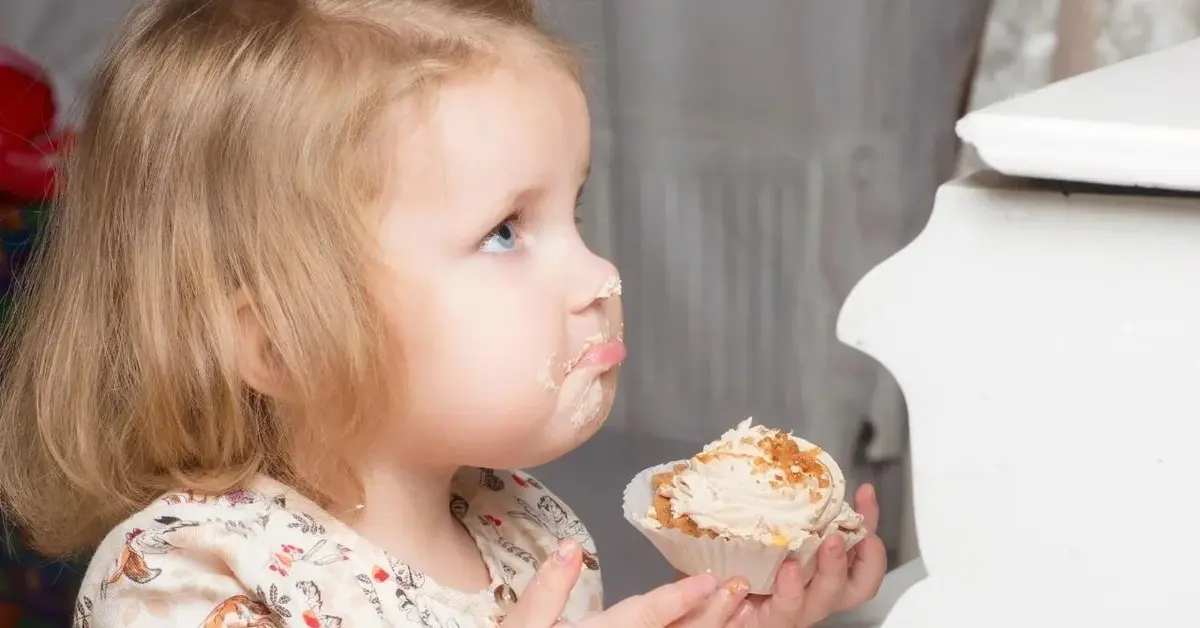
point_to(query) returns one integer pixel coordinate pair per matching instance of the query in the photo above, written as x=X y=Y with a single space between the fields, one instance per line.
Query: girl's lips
x=604 y=355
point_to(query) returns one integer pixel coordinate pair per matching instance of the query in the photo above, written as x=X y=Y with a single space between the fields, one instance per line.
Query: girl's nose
x=595 y=280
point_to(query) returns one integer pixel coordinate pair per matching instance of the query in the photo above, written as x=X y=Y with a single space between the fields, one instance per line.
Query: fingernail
x=835 y=547
x=743 y=612
x=737 y=587
x=801 y=572
x=870 y=492
x=566 y=549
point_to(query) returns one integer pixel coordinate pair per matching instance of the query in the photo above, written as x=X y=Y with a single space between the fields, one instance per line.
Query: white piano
x=1045 y=329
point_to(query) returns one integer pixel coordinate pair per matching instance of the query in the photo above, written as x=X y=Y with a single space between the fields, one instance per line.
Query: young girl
x=315 y=273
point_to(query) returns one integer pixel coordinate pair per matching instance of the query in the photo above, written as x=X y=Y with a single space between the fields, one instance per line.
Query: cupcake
x=743 y=505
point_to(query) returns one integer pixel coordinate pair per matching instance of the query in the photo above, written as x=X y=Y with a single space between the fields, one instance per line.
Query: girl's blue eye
x=502 y=239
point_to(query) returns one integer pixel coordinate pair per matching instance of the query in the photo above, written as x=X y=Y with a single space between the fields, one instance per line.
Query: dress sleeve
x=552 y=519
x=168 y=575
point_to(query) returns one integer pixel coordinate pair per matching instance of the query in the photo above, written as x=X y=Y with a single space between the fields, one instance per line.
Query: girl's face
x=510 y=326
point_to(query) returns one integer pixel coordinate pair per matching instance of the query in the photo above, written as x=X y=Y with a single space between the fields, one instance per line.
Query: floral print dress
x=264 y=556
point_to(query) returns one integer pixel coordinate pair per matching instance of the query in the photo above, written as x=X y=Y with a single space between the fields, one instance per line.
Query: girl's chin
x=584 y=403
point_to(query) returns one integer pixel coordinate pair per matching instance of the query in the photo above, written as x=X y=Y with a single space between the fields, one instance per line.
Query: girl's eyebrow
x=524 y=197
x=511 y=203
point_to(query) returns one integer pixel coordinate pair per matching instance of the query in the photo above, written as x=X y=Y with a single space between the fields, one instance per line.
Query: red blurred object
x=28 y=167
x=30 y=146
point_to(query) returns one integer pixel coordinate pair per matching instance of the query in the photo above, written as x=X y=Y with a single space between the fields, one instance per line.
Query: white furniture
x=873 y=613
x=1046 y=334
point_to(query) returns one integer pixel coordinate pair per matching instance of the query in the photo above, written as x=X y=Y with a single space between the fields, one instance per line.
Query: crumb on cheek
x=589 y=406
x=546 y=374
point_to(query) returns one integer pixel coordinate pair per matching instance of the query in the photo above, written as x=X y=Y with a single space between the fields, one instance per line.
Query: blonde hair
x=229 y=147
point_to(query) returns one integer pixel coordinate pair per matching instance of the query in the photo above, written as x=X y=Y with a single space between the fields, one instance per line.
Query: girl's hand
x=841 y=582
x=694 y=602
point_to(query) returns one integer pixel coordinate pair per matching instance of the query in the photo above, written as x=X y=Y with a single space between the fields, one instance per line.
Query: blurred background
x=752 y=160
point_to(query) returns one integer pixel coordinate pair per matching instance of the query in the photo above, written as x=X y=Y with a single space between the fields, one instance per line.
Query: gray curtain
x=752 y=161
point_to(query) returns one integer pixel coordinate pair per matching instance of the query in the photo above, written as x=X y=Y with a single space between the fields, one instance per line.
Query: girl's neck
x=407 y=513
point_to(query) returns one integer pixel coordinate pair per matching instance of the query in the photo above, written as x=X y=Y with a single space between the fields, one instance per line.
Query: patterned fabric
x=265 y=556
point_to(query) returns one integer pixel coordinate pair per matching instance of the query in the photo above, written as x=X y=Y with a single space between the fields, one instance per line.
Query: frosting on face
x=589 y=406
x=611 y=288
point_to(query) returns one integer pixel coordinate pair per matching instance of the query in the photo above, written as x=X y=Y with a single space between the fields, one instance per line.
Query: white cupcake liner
x=757 y=562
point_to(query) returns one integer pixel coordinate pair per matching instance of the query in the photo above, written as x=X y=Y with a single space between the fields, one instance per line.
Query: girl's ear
x=257 y=360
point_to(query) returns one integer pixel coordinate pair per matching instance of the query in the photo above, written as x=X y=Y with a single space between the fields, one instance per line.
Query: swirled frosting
x=756 y=483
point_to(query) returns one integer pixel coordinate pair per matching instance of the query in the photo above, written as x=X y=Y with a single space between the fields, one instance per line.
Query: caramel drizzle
x=779 y=453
